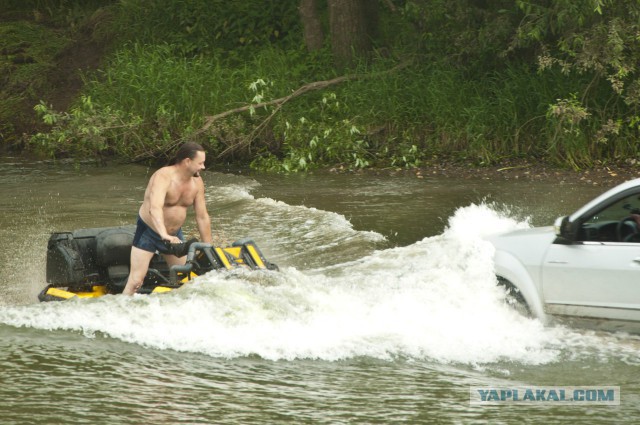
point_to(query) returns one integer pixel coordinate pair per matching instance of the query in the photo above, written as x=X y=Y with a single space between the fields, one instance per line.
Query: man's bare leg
x=172 y=260
x=139 y=265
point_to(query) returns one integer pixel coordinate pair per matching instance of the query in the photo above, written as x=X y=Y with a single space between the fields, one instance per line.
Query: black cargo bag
x=64 y=262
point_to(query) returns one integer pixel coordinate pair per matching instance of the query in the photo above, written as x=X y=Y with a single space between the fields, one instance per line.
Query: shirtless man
x=171 y=190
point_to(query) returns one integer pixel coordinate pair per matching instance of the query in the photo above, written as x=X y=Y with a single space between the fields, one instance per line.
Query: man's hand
x=179 y=249
x=171 y=239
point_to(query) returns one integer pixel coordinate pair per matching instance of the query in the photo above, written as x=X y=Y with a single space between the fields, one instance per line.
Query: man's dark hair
x=188 y=150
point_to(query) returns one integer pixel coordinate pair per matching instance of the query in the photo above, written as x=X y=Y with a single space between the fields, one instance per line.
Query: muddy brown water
x=384 y=310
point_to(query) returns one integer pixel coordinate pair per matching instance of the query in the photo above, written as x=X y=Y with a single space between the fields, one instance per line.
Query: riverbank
x=600 y=175
x=45 y=56
x=132 y=79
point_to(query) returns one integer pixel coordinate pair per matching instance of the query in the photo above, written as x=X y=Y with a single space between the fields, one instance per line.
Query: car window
x=614 y=223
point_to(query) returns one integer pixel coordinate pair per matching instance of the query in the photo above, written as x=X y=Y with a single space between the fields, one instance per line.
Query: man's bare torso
x=180 y=195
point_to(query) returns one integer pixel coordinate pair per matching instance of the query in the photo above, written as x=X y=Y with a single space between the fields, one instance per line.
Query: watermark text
x=584 y=395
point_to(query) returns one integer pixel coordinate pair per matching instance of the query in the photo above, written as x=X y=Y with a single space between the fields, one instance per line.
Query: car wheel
x=514 y=297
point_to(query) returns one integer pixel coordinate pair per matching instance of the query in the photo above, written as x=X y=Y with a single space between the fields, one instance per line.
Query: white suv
x=586 y=267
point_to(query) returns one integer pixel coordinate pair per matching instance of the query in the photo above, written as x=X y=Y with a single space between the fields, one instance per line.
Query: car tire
x=514 y=297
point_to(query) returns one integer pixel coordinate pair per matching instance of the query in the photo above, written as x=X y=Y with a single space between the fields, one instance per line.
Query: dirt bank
x=41 y=59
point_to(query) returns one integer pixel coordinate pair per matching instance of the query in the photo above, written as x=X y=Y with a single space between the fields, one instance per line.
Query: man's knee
x=138 y=267
x=134 y=281
x=136 y=278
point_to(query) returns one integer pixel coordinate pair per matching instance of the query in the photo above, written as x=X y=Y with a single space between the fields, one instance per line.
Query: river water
x=385 y=309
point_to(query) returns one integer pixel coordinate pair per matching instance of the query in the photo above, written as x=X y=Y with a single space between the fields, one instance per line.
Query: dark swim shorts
x=148 y=240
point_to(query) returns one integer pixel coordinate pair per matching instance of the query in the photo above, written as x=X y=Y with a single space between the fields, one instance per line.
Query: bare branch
x=317 y=85
x=210 y=119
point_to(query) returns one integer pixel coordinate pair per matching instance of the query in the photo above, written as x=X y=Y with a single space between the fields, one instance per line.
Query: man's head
x=193 y=155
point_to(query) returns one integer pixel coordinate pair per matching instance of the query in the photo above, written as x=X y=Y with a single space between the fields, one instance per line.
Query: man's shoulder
x=163 y=174
x=167 y=170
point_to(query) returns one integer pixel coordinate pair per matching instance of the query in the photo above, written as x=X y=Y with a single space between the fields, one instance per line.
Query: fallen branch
x=210 y=119
x=317 y=85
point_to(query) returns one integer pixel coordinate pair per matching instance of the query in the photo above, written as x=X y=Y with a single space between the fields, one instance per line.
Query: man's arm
x=202 y=216
x=157 y=192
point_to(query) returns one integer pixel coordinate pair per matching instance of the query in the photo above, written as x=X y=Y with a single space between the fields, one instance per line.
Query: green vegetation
x=27 y=54
x=479 y=81
x=35 y=37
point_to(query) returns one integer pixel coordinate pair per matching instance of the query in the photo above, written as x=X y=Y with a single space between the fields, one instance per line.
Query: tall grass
x=399 y=117
x=150 y=92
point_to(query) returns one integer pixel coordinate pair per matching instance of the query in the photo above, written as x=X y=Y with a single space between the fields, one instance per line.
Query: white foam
x=229 y=193
x=316 y=223
x=307 y=233
x=436 y=299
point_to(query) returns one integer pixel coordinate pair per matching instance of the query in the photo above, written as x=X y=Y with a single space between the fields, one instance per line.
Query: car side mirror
x=564 y=230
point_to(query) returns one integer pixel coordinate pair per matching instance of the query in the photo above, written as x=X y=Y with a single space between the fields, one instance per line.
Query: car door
x=598 y=275
x=593 y=279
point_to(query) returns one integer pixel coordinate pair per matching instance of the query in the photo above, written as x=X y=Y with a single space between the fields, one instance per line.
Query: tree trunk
x=352 y=24
x=313 y=34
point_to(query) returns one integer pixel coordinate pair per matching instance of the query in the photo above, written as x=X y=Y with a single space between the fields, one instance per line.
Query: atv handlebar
x=188 y=266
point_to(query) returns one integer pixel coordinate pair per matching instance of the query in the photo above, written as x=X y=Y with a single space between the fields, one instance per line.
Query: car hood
x=531 y=232
x=527 y=244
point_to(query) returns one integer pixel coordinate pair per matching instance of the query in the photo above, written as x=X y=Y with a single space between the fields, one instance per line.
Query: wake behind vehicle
x=585 y=269
x=89 y=263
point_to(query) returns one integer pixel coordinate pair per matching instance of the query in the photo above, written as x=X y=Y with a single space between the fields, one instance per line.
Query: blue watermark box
x=535 y=395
